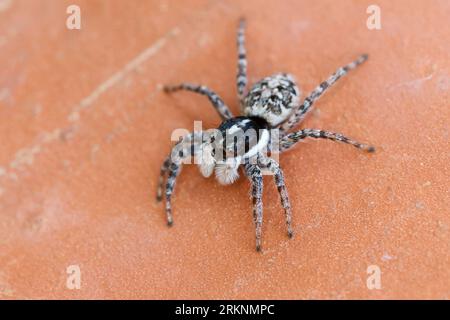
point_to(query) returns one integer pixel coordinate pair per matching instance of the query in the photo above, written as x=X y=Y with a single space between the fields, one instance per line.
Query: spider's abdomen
x=273 y=98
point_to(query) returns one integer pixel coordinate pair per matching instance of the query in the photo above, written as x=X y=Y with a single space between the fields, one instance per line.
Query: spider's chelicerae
x=272 y=103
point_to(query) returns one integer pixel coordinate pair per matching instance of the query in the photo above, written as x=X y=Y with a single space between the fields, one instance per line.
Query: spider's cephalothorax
x=237 y=141
x=241 y=142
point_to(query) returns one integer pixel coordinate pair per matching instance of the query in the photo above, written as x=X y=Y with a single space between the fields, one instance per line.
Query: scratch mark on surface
x=118 y=76
x=4 y=94
x=414 y=84
x=386 y=257
x=25 y=156
x=5 y=5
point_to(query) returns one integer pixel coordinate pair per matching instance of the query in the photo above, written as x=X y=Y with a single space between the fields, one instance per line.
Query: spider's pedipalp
x=307 y=104
x=289 y=140
x=216 y=101
x=206 y=161
x=227 y=172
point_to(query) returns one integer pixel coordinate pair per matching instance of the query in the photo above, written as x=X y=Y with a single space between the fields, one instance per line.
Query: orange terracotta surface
x=84 y=127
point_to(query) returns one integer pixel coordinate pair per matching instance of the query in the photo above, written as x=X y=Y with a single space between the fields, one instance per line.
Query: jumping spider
x=272 y=103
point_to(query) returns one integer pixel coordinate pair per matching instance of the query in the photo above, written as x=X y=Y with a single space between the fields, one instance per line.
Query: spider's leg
x=292 y=138
x=241 y=77
x=174 y=171
x=274 y=167
x=216 y=101
x=303 y=109
x=184 y=149
x=164 y=168
x=254 y=174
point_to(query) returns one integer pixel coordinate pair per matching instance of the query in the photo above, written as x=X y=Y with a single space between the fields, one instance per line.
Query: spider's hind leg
x=241 y=77
x=307 y=105
x=289 y=140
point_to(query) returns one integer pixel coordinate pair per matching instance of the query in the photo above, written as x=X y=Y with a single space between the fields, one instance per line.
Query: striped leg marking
x=164 y=168
x=174 y=171
x=216 y=101
x=303 y=109
x=255 y=176
x=291 y=139
x=241 y=77
x=274 y=167
x=173 y=163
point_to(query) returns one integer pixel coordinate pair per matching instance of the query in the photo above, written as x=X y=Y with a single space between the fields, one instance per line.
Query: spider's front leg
x=165 y=166
x=274 y=167
x=184 y=149
x=254 y=174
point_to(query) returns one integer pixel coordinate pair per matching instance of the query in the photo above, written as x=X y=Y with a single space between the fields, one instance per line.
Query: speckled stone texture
x=84 y=127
